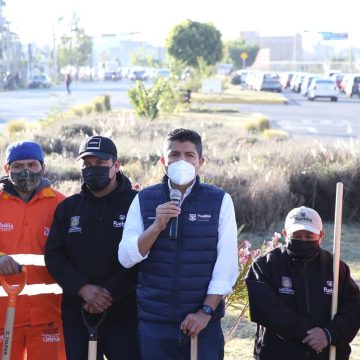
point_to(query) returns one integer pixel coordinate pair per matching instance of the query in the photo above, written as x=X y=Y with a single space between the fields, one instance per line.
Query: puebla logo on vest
x=200 y=217
x=6 y=226
x=328 y=289
x=286 y=288
x=120 y=223
x=74 y=224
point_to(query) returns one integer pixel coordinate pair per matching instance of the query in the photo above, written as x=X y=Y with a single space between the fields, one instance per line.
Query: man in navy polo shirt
x=181 y=281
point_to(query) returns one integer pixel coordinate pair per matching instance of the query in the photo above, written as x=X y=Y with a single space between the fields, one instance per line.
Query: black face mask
x=26 y=180
x=303 y=250
x=96 y=177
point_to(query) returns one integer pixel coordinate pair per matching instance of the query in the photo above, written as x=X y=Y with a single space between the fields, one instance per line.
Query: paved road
x=36 y=103
x=320 y=119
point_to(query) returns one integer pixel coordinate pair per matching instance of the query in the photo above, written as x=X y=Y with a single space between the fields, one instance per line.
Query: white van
x=351 y=84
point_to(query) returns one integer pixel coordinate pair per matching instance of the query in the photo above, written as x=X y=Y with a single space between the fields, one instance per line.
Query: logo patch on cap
x=93 y=144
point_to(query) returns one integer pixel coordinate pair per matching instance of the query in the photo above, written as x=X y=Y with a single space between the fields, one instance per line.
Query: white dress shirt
x=226 y=266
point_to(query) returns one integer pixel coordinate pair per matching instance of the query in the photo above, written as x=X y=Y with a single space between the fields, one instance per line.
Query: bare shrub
x=16 y=126
x=266 y=178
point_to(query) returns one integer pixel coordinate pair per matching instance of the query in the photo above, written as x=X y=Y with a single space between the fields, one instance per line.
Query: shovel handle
x=13 y=290
x=194 y=348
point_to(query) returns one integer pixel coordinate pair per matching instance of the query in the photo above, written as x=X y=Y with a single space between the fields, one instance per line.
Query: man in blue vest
x=181 y=281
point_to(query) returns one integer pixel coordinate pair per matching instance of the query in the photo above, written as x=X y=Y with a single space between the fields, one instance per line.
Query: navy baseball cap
x=24 y=150
x=99 y=146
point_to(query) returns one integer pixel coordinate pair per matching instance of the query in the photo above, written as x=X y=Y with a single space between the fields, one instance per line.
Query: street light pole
x=54 y=56
x=294 y=51
x=350 y=54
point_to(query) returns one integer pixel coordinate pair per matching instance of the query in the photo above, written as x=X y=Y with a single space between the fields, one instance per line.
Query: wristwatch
x=206 y=309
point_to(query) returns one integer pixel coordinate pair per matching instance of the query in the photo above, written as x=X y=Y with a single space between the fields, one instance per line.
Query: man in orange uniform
x=27 y=205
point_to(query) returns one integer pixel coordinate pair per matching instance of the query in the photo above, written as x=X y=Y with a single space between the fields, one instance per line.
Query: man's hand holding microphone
x=169 y=211
x=165 y=212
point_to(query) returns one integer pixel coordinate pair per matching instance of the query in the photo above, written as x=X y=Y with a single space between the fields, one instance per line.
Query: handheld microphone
x=175 y=195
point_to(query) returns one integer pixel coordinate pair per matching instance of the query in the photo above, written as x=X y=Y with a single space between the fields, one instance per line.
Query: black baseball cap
x=99 y=146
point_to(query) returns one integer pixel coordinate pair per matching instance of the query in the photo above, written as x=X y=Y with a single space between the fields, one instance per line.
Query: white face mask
x=181 y=172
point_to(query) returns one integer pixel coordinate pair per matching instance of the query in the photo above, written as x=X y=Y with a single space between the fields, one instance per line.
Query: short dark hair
x=183 y=135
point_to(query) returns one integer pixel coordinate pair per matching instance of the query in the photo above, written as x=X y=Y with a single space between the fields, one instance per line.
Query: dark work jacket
x=289 y=297
x=174 y=279
x=82 y=248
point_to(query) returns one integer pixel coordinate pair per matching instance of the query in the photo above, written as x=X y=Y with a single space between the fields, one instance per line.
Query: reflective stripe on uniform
x=36 y=289
x=29 y=259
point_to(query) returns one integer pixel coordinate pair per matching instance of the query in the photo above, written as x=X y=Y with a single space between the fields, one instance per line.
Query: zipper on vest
x=176 y=274
x=307 y=299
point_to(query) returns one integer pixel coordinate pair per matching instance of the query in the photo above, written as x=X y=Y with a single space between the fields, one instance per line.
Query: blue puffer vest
x=174 y=279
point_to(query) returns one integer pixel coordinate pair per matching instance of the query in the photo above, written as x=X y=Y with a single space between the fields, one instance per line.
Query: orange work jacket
x=24 y=228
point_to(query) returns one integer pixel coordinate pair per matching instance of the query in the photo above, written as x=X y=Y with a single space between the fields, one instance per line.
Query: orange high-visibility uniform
x=24 y=227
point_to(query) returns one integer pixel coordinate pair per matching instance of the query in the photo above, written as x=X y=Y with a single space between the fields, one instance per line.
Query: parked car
x=306 y=83
x=138 y=75
x=295 y=83
x=338 y=77
x=238 y=77
x=285 y=79
x=331 y=72
x=39 y=81
x=323 y=88
x=350 y=84
x=268 y=82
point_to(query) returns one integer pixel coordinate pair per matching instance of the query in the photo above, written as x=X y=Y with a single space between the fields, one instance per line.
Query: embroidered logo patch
x=121 y=223
x=75 y=221
x=74 y=224
x=192 y=217
x=286 y=288
x=46 y=231
x=200 y=217
x=6 y=226
x=328 y=289
x=286 y=282
x=94 y=144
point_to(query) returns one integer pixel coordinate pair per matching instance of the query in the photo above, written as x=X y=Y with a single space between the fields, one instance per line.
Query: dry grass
x=265 y=178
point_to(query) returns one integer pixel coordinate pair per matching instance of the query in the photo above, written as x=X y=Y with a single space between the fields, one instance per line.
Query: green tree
x=233 y=50
x=190 y=41
x=75 y=46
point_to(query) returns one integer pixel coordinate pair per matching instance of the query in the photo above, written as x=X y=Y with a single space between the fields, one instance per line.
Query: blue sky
x=34 y=19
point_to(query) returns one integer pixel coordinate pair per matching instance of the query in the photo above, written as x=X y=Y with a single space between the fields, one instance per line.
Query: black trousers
x=117 y=341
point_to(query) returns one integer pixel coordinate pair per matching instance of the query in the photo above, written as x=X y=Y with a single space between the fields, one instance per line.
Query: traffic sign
x=244 y=55
x=334 y=36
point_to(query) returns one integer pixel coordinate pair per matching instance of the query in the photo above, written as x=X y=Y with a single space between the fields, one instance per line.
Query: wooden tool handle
x=194 y=348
